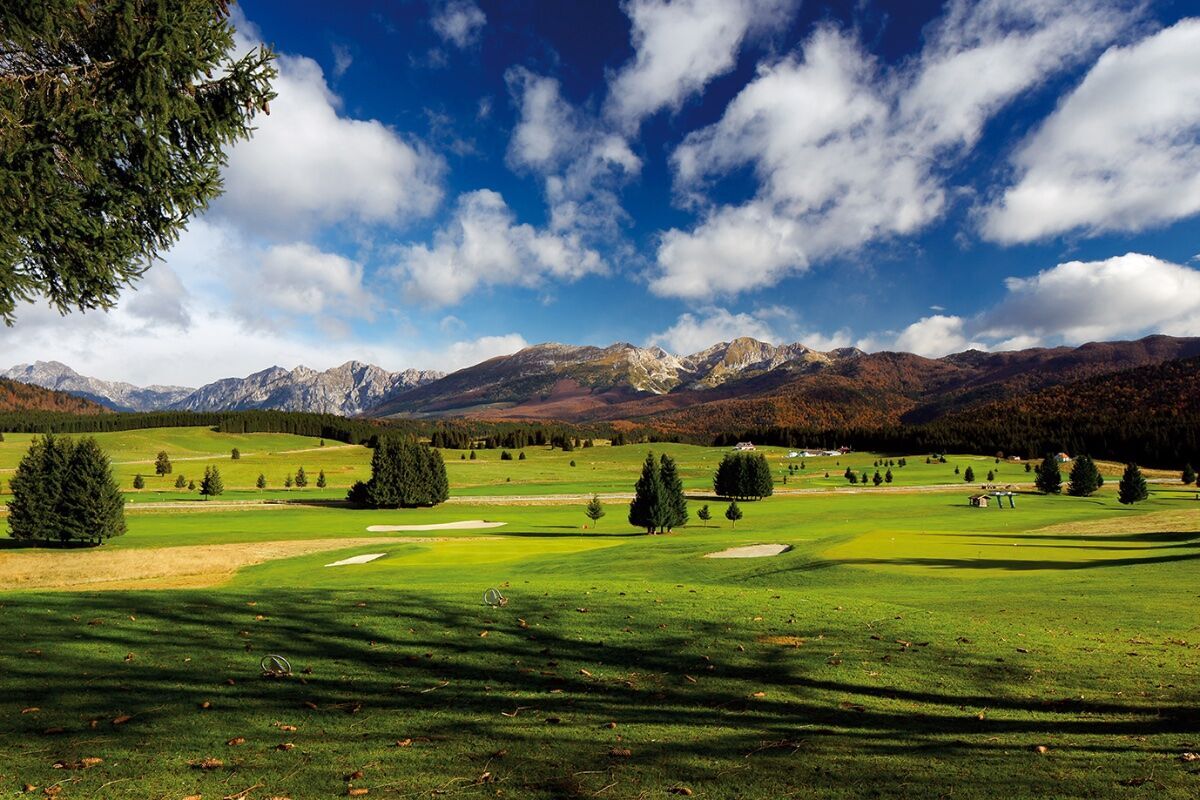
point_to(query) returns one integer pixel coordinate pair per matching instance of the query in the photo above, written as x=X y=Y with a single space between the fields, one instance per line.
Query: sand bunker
x=363 y=559
x=751 y=551
x=464 y=525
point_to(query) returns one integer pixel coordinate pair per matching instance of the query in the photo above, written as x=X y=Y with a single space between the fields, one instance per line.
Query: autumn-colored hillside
x=15 y=396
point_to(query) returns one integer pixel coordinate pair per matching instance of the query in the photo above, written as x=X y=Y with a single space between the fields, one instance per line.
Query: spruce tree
x=877 y=479
x=1189 y=474
x=1085 y=478
x=1049 y=477
x=139 y=482
x=968 y=476
x=704 y=515
x=180 y=481
x=676 y=512
x=33 y=511
x=261 y=483
x=211 y=485
x=91 y=505
x=162 y=464
x=594 y=510
x=888 y=476
x=287 y=481
x=235 y=454
x=301 y=478
x=321 y=482
x=472 y=455
x=647 y=509
x=191 y=486
x=1132 y=488
x=116 y=118
x=404 y=474
x=521 y=456
x=733 y=514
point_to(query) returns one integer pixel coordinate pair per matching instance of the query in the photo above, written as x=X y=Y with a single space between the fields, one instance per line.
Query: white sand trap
x=751 y=551
x=464 y=525
x=363 y=559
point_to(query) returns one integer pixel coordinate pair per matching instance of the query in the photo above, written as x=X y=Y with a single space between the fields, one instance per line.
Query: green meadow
x=906 y=644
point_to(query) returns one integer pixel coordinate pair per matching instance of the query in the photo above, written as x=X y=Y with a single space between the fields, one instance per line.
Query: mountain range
x=737 y=385
x=352 y=389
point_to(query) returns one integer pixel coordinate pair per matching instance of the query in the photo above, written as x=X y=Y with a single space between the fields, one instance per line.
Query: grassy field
x=906 y=646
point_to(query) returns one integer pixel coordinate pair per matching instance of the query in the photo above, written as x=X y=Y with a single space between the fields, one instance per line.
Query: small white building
x=980 y=500
x=744 y=446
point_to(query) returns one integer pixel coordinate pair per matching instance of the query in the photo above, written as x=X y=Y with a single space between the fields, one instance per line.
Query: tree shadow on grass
x=389 y=665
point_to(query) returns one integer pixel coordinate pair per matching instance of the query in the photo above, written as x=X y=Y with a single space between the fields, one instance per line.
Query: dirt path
x=186 y=567
x=225 y=456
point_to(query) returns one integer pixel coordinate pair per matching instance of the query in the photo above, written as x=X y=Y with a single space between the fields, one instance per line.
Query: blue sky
x=440 y=182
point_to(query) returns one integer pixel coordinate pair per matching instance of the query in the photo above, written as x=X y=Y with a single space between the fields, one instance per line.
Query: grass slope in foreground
x=907 y=644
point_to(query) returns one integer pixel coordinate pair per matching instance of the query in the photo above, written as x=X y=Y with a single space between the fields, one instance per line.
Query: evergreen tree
x=1085 y=478
x=139 y=482
x=235 y=454
x=733 y=514
x=321 y=443
x=33 y=512
x=704 y=514
x=1132 y=488
x=116 y=117
x=676 y=513
x=505 y=455
x=888 y=476
x=321 y=482
x=180 y=482
x=1189 y=474
x=301 y=478
x=261 y=483
x=287 y=481
x=851 y=475
x=462 y=456
x=991 y=475
x=864 y=478
x=191 y=486
x=594 y=510
x=744 y=476
x=162 y=464
x=404 y=474
x=521 y=455
x=211 y=485
x=91 y=506
x=877 y=479
x=956 y=469
x=647 y=509
x=472 y=455
x=968 y=476
x=1028 y=466
x=572 y=462
x=1049 y=477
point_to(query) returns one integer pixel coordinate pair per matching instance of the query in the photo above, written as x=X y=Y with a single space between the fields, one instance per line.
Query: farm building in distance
x=980 y=500
x=744 y=446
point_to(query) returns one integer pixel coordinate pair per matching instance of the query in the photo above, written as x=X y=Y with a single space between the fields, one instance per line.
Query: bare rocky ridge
x=116 y=395
x=352 y=389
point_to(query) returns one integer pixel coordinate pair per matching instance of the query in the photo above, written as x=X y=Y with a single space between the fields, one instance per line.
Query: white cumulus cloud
x=847 y=152
x=483 y=245
x=1120 y=153
x=307 y=165
x=680 y=46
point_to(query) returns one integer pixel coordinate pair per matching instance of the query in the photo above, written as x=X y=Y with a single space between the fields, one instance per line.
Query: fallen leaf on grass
x=1190 y=757
x=483 y=634
x=357 y=792
x=620 y=752
x=206 y=704
x=121 y=720
x=30 y=710
x=683 y=790
x=288 y=728
x=404 y=743
x=585 y=673
x=1041 y=748
x=237 y=740
x=759 y=694
x=285 y=746
x=357 y=775
x=206 y=763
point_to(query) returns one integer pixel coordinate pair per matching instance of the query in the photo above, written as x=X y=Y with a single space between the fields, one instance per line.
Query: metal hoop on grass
x=275 y=665
x=493 y=598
